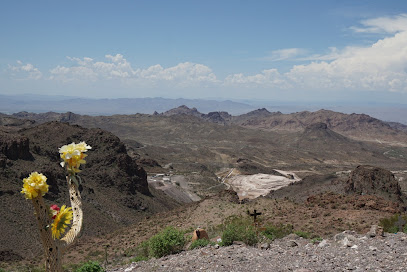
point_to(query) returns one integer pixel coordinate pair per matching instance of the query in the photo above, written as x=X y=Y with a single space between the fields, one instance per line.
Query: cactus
x=35 y=187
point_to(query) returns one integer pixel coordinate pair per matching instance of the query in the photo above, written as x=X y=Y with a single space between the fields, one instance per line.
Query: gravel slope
x=347 y=251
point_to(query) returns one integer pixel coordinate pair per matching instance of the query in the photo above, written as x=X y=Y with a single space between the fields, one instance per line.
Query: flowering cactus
x=53 y=221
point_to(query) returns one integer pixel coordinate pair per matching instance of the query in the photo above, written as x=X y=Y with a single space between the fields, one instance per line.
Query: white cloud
x=392 y=24
x=183 y=74
x=270 y=77
x=87 y=69
x=117 y=67
x=381 y=66
x=24 y=71
x=331 y=55
x=284 y=54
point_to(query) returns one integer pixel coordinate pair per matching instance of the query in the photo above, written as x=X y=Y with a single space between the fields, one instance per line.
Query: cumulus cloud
x=183 y=74
x=24 y=71
x=89 y=69
x=117 y=67
x=381 y=66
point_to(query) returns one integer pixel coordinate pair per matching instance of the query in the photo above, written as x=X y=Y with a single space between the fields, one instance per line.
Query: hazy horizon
x=394 y=112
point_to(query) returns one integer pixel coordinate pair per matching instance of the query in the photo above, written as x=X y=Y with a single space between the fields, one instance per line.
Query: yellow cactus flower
x=61 y=221
x=35 y=185
x=83 y=147
x=73 y=156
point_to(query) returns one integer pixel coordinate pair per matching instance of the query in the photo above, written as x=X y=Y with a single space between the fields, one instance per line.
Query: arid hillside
x=358 y=126
x=114 y=188
x=191 y=141
x=201 y=150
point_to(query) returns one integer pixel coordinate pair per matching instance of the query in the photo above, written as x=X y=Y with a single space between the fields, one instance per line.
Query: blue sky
x=277 y=50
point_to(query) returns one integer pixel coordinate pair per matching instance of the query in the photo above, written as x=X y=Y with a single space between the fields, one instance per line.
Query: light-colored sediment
x=253 y=186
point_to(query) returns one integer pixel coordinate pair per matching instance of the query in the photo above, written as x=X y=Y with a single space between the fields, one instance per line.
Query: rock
x=199 y=234
x=265 y=246
x=374 y=231
x=345 y=238
x=370 y=180
x=148 y=162
x=15 y=147
x=292 y=236
x=238 y=243
x=372 y=248
x=292 y=243
x=323 y=243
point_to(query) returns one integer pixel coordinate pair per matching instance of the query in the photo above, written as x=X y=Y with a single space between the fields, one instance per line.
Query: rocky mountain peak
x=183 y=110
x=259 y=112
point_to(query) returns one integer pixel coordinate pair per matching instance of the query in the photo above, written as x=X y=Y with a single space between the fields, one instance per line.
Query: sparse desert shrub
x=316 y=239
x=142 y=250
x=239 y=229
x=277 y=232
x=90 y=266
x=199 y=243
x=390 y=224
x=303 y=234
x=168 y=241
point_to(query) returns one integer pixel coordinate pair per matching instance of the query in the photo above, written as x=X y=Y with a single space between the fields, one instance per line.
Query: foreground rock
x=346 y=251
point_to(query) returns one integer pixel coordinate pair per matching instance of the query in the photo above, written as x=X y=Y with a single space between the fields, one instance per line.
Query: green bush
x=239 y=232
x=303 y=234
x=90 y=267
x=316 y=239
x=389 y=224
x=199 y=243
x=168 y=241
x=277 y=232
x=142 y=250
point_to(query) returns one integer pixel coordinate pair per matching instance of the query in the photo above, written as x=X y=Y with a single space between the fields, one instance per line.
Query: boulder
x=375 y=231
x=370 y=180
x=199 y=234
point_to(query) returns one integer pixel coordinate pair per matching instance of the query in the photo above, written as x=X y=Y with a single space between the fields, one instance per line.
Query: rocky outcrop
x=148 y=162
x=183 y=110
x=113 y=186
x=14 y=147
x=370 y=180
x=215 y=117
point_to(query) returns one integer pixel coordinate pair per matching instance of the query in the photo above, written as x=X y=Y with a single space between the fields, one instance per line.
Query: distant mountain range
x=360 y=126
x=45 y=103
x=39 y=104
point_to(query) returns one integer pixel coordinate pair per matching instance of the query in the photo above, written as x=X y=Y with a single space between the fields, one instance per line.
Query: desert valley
x=320 y=172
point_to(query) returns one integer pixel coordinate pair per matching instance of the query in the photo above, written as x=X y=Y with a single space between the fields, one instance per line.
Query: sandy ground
x=252 y=186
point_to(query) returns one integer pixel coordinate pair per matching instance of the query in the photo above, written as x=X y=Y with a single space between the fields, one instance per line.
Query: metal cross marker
x=255 y=214
x=400 y=223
